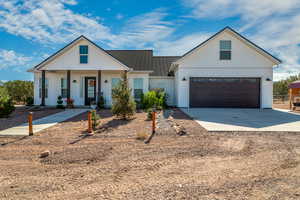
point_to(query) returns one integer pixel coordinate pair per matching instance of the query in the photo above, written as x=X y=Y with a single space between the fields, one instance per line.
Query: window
x=83 y=52
x=63 y=86
x=40 y=88
x=115 y=82
x=225 y=50
x=137 y=88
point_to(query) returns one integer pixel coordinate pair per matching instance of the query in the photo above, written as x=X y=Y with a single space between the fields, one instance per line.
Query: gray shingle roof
x=161 y=65
x=143 y=60
x=140 y=60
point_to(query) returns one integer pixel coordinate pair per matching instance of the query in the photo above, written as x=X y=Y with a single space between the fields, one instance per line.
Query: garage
x=225 y=92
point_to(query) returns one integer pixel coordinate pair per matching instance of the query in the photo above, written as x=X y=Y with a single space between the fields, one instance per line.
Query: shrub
x=101 y=102
x=60 y=103
x=29 y=101
x=6 y=104
x=123 y=103
x=149 y=113
x=95 y=119
x=141 y=136
x=154 y=99
x=150 y=100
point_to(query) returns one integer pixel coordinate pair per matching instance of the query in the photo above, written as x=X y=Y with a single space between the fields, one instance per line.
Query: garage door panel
x=225 y=92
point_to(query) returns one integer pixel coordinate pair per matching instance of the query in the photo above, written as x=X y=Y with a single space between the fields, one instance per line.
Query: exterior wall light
x=105 y=81
x=184 y=79
x=268 y=79
x=74 y=81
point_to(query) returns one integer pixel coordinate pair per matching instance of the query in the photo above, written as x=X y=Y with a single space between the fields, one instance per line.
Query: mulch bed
x=20 y=116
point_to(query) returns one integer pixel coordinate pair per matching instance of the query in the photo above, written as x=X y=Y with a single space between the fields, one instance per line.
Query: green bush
x=149 y=113
x=60 y=103
x=6 y=104
x=95 y=119
x=154 y=99
x=29 y=101
x=101 y=102
x=123 y=104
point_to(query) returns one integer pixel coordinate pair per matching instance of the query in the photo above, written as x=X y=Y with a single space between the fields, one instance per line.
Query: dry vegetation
x=112 y=164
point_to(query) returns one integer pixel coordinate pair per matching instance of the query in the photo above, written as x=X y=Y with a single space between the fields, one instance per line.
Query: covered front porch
x=85 y=87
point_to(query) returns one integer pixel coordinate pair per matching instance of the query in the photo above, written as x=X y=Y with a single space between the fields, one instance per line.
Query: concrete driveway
x=223 y=119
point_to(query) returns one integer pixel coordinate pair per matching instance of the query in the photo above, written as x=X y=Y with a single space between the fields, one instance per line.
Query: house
x=226 y=70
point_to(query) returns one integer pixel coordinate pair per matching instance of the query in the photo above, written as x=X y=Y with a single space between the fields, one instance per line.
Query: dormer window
x=83 y=52
x=225 y=50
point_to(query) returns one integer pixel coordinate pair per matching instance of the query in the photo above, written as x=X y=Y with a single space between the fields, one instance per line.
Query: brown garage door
x=225 y=92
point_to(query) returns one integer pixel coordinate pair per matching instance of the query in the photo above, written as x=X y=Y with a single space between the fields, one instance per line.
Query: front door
x=90 y=90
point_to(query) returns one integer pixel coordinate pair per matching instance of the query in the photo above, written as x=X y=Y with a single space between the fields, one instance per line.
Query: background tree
x=123 y=104
x=19 y=91
x=282 y=87
x=6 y=105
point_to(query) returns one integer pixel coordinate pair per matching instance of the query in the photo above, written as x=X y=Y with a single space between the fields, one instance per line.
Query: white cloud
x=49 y=21
x=272 y=24
x=9 y=58
x=181 y=45
x=119 y=16
x=141 y=31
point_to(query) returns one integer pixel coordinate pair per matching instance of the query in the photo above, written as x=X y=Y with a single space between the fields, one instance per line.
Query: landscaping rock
x=45 y=154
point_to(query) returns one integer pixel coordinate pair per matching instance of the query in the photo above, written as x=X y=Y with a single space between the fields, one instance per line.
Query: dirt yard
x=20 y=116
x=112 y=164
x=285 y=105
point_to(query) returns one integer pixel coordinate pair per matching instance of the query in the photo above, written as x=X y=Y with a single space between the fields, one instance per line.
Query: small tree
x=123 y=103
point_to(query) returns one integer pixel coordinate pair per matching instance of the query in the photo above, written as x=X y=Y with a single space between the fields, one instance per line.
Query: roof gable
x=258 y=49
x=65 y=49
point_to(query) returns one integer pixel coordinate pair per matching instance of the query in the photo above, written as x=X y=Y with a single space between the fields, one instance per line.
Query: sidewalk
x=43 y=123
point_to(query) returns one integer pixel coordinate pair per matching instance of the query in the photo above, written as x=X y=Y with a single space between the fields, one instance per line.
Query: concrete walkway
x=42 y=123
x=227 y=119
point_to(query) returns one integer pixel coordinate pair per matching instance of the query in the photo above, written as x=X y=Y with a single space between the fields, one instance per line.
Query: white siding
x=97 y=59
x=204 y=62
x=55 y=90
x=167 y=83
x=263 y=73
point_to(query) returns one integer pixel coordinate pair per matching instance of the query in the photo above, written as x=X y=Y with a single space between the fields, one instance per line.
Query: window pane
x=225 y=45
x=225 y=55
x=64 y=93
x=63 y=83
x=138 y=93
x=83 y=59
x=83 y=49
x=138 y=83
x=114 y=82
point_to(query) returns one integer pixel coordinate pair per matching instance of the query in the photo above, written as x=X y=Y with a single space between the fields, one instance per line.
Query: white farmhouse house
x=226 y=70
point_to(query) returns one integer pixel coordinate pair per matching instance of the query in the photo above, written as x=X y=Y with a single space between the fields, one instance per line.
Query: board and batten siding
x=77 y=85
x=205 y=62
x=167 y=83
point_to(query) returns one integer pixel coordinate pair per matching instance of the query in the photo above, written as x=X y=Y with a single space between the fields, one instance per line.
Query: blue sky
x=31 y=30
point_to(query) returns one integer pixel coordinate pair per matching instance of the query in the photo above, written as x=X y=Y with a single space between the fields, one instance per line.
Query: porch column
x=125 y=76
x=43 y=87
x=99 y=85
x=68 y=84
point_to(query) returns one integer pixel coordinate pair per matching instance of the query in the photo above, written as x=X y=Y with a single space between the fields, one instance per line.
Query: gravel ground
x=20 y=116
x=112 y=164
x=286 y=106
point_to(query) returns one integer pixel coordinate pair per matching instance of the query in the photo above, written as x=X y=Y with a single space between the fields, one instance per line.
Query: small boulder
x=45 y=154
